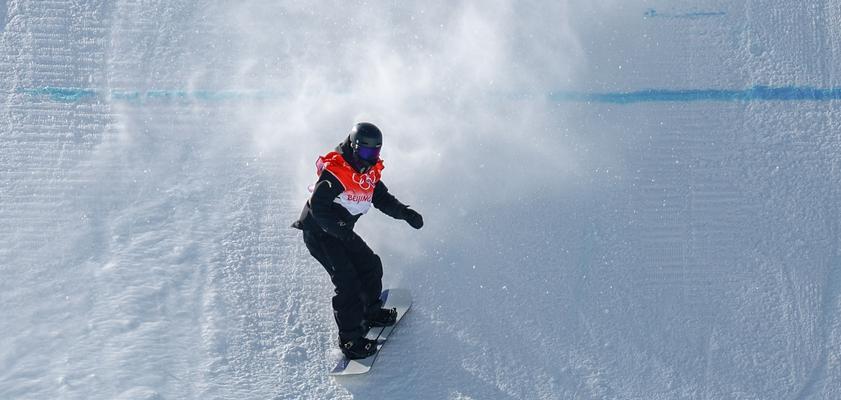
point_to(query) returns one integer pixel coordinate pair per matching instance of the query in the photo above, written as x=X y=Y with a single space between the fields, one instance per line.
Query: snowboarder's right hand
x=413 y=218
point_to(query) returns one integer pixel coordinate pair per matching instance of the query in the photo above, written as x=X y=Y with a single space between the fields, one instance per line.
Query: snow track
x=637 y=242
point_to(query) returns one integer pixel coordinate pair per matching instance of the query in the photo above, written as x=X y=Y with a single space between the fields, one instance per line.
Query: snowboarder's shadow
x=427 y=363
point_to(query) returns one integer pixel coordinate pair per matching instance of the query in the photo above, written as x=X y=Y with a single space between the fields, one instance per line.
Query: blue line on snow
x=756 y=93
x=69 y=94
x=652 y=13
x=61 y=94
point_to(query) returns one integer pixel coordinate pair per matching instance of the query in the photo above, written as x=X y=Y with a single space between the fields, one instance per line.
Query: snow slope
x=606 y=219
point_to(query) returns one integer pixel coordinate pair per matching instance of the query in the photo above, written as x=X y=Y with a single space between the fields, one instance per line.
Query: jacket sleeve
x=326 y=190
x=386 y=202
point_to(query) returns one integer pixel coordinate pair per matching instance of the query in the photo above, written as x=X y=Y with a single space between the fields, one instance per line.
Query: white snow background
x=154 y=153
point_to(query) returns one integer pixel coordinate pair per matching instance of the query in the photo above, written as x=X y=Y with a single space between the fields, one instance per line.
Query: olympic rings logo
x=365 y=181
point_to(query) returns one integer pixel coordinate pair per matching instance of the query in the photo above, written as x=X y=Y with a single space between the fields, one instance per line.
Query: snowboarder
x=348 y=184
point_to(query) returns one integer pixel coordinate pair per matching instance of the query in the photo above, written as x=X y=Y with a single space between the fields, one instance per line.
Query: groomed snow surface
x=595 y=229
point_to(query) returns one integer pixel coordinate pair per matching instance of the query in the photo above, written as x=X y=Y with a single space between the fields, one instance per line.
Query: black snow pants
x=356 y=273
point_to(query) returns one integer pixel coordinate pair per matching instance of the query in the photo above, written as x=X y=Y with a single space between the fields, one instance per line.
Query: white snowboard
x=401 y=299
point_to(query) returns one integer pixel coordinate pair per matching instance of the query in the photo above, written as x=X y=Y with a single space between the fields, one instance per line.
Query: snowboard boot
x=358 y=348
x=382 y=317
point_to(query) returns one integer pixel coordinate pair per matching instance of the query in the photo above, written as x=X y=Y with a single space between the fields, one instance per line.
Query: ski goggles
x=368 y=153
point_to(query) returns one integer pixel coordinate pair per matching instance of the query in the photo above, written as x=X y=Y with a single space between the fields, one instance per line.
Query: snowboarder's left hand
x=413 y=218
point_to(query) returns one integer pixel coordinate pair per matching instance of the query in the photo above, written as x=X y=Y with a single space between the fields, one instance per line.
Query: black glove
x=413 y=218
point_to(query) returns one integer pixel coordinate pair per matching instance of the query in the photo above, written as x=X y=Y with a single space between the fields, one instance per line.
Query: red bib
x=359 y=187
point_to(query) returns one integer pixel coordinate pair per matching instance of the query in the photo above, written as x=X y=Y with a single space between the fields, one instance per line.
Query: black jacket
x=320 y=213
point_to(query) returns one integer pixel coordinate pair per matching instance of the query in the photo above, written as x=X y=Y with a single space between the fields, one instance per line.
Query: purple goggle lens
x=368 y=153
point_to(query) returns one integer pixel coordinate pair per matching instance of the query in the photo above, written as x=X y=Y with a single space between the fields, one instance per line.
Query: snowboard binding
x=359 y=348
x=382 y=317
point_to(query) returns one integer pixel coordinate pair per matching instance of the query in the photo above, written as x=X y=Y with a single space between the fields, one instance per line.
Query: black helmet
x=366 y=140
